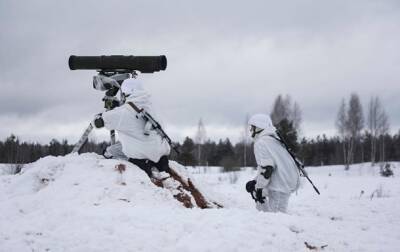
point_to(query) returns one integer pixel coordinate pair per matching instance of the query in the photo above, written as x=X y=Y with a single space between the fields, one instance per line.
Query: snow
x=81 y=203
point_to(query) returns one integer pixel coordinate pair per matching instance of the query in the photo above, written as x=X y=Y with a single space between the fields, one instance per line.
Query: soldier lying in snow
x=138 y=142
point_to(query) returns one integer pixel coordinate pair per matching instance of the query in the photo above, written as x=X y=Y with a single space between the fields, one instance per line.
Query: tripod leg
x=112 y=136
x=84 y=138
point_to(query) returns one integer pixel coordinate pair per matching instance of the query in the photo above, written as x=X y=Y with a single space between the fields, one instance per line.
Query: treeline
x=313 y=152
x=329 y=151
x=15 y=151
x=210 y=153
x=360 y=139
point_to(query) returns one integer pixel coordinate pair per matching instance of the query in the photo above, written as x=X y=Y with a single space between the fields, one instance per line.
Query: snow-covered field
x=80 y=203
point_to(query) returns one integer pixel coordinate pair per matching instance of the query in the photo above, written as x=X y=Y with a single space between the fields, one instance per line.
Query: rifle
x=298 y=163
x=155 y=125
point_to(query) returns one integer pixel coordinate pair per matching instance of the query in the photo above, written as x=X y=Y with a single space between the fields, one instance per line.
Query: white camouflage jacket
x=131 y=129
x=270 y=152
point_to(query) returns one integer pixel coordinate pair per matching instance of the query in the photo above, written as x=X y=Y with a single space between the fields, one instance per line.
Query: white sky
x=226 y=59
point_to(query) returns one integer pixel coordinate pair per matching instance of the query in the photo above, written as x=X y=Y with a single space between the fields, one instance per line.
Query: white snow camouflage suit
x=137 y=140
x=285 y=178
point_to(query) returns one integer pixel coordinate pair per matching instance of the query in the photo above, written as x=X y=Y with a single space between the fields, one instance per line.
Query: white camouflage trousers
x=115 y=151
x=274 y=202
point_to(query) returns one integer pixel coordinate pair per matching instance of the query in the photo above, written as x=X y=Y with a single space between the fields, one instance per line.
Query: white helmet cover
x=262 y=121
x=131 y=86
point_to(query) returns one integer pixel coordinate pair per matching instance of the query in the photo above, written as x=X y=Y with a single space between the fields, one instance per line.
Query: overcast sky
x=226 y=59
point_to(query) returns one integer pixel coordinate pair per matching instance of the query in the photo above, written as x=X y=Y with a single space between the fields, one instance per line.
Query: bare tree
x=383 y=129
x=280 y=109
x=378 y=126
x=283 y=109
x=200 y=138
x=295 y=116
x=374 y=113
x=340 y=123
x=354 y=125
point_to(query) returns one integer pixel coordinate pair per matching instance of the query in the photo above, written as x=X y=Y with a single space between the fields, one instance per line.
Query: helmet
x=131 y=86
x=263 y=122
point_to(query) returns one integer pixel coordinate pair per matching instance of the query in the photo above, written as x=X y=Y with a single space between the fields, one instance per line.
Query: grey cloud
x=226 y=58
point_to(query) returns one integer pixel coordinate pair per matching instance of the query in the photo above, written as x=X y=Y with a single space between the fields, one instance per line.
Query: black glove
x=259 y=196
x=98 y=121
x=251 y=186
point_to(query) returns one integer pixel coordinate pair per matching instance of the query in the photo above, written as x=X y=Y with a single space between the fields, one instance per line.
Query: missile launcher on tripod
x=112 y=71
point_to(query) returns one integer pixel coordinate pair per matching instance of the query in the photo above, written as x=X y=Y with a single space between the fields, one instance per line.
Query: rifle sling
x=158 y=127
x=135 y=107
x=299 y=166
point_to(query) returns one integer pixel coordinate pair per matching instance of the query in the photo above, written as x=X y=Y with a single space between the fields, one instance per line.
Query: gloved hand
x=98 y=121
x=259 y=196
x=256 y=194
x=251 y=186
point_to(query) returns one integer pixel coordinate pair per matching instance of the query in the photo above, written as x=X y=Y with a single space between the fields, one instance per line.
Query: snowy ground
x=79 y=203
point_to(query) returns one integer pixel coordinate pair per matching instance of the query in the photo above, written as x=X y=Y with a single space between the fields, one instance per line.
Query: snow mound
x=83 y=180
x=82 y=203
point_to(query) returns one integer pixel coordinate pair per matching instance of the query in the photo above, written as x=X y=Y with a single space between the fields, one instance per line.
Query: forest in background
x=358 y=140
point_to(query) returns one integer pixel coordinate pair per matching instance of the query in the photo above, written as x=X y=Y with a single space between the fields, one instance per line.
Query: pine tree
x=187 y=150
x=287 y=118
x=289 y=133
